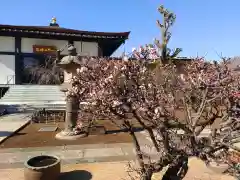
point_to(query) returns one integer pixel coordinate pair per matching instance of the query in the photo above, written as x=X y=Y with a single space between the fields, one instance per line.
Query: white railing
x=10 y=79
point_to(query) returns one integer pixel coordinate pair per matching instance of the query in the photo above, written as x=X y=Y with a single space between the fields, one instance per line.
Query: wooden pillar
x=100 y=49
x=18 y=61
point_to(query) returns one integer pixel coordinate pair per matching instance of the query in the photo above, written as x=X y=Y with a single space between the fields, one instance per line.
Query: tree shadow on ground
x=8 y=133
x=76 y=175
x=135 y=129
x=5 y=133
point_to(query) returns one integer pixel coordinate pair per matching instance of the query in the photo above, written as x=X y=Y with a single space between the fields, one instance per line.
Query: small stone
x=48 y=129
x=91 y=160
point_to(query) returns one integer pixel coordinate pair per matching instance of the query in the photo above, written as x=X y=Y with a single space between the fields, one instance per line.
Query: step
x=38 y=93
x=34 y=107
x=32 y=97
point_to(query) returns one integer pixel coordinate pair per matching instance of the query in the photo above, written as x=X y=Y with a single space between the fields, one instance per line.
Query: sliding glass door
x=40 y=69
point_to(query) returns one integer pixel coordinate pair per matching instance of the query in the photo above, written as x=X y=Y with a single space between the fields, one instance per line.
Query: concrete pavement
x=12 y=123
x=117 y=171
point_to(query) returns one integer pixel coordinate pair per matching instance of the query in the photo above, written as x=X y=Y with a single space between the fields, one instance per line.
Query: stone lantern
x=70 y=64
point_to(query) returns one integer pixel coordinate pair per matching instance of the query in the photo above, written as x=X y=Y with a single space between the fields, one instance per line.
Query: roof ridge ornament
x=54 y=22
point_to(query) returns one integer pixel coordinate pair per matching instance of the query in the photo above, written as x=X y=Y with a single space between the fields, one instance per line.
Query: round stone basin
x=43 y=167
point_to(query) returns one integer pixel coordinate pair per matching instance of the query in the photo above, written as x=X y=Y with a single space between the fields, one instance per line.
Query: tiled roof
x=58 y=31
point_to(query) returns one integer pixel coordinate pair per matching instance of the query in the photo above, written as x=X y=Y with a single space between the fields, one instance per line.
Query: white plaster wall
x=78 y=45
x=27 y=44
x=88 y=48
x=7 y=69
x=7 y=44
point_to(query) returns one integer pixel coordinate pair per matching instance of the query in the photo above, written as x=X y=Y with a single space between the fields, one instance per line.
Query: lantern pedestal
x=70 y=64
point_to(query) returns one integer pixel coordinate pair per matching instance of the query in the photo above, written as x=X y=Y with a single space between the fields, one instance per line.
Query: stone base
x=64 y=136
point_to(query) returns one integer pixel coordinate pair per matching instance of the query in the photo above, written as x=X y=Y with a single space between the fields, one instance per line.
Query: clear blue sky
x=202 y=26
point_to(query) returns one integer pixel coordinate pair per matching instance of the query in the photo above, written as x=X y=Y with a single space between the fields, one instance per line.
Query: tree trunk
x=177 y=169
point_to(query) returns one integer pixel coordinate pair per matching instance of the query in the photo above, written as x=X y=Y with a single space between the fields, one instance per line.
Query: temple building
x=25 y=46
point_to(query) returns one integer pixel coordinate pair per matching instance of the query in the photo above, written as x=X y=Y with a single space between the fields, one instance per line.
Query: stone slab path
x=12 y=123
x=15 y=157
x=77 y=154
x=74 y=154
